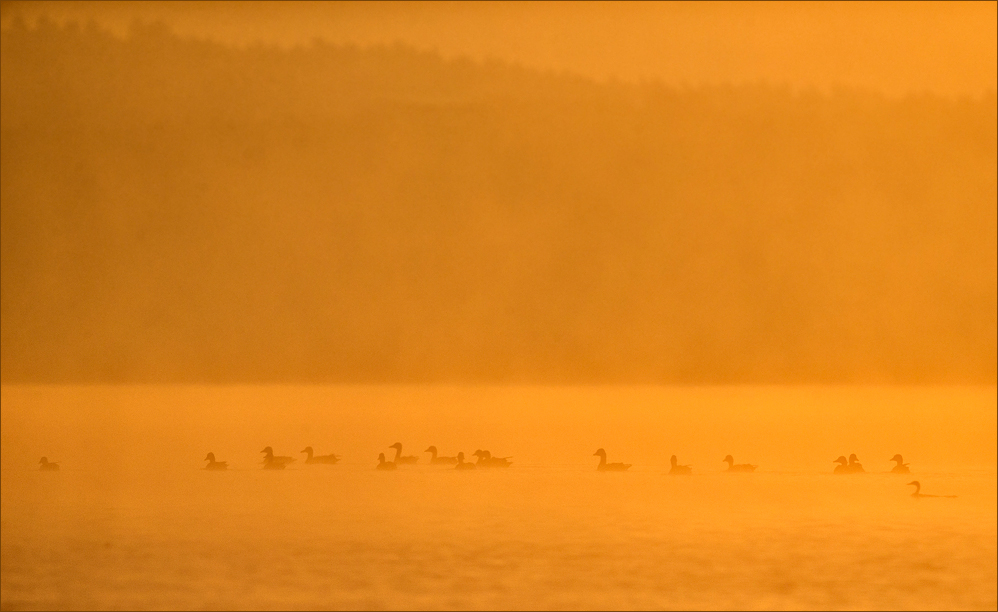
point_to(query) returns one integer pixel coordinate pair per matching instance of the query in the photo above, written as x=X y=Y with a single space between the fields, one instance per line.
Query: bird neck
x=398 y=452
x=602 y=460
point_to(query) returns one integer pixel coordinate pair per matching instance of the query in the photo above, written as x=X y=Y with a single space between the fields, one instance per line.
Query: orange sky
x=944 y=48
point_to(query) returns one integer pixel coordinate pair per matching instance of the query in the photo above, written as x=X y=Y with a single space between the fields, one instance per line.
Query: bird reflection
x=46 y=466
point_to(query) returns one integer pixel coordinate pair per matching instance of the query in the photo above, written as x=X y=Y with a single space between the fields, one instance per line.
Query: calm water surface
x=130 y=520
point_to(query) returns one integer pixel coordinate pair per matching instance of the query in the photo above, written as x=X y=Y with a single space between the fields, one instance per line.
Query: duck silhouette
x=435 y=460
x=843 y=467
x=486 y=460
x=46 y=466
x=327 y=459
x=679 y=470
x=215 y=465
x=384 y=465
x=462 y=465
x=855 y=467
x=919 y=495
x=743 y=467
x=399 y=459
x=901 y=467
x=609 y=467
x=270 y=462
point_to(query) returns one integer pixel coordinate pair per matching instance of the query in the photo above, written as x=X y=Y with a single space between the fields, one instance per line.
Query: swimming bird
x=48 y=467
x=742 y=467
x=384 y=465
x=462 y=465
x=215 y=465
x=901 y=467
x=855 y=467
x=399 y=459
x=843 y=467
x=679 y=470
x=608 y=467
x=330 y=459
x=439 y=460
x=270 y=462
x=485 y=459
x=918 y=494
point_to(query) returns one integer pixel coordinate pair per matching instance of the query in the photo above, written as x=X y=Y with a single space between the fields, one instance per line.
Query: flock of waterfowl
x=486 y=460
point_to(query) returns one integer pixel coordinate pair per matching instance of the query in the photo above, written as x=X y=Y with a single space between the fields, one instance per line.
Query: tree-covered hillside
x=177 y=210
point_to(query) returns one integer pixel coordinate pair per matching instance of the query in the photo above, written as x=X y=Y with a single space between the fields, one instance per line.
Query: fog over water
x=130 y=520
x=767 y=230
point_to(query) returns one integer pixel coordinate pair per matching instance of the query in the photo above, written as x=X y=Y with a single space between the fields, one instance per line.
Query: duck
x=439 y=460
x=384 y=465
x=609 y=467
x=901 y=467
x=742 y=467
x=855 y=467
x=918 y=494
x=215 y=465
x=485 y=459
x=330 y=459
x=48 y=467
x=270 y=462
x=462 y=465
x=679 y=470
x=843 y=467
x=399 y=459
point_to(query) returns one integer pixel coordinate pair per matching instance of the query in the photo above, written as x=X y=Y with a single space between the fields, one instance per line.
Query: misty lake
x=131 y=519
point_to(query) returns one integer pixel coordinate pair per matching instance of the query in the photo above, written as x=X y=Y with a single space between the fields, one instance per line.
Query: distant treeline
x=179 y=210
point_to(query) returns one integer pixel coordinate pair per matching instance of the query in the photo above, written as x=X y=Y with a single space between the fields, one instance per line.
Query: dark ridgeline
x=180 y=211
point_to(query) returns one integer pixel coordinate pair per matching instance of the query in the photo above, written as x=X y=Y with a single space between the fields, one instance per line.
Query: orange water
x=131 y=521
